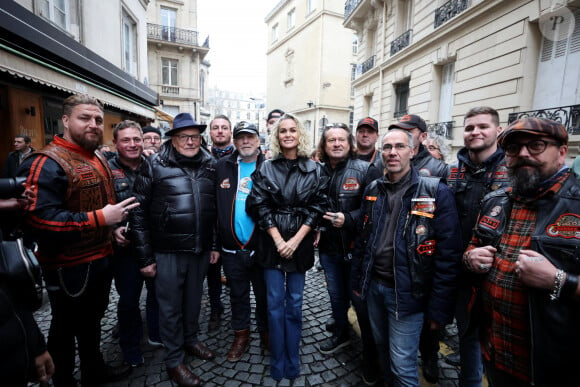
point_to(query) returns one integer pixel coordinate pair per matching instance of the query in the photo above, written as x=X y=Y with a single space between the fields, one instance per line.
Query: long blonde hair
x=303 y=137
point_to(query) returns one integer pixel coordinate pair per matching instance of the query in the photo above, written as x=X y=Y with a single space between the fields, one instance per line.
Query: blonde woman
x=286 y=201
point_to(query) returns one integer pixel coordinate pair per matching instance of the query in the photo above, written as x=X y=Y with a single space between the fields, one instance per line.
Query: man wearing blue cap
x=174 y=239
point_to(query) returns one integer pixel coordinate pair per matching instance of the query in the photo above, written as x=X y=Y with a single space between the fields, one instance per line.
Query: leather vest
x=88 y=190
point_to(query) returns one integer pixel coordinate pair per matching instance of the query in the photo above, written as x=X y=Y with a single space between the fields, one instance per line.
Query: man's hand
x=116 y=213
x=214 y=256
x=44 y=367
x=336 y=218
x=480 y=259
x=119 y=236
x=149 y=271
x=535 y=270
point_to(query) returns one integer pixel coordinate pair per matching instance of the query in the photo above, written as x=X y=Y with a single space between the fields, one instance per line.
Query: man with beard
x=220 y=132
x=238 y=240
x=479 y=169
x=71 y=219
x=526 y=245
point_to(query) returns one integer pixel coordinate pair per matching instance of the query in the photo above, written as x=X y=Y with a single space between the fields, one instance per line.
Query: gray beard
x=525 y=182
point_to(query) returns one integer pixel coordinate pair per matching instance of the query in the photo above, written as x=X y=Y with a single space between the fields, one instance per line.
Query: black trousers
x=77 y=316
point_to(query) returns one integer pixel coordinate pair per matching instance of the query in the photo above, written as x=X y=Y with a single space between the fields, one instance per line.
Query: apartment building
x=176 y=52
x=310 y=62
x=440 y=58
x=50 y=49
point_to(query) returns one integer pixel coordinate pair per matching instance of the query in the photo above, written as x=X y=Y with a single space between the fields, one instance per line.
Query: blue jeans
x=397 y=339
x=284 y=295
x=129 y=284
x=337 y=272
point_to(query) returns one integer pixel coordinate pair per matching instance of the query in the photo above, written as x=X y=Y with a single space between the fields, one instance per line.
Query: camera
x=12 y=187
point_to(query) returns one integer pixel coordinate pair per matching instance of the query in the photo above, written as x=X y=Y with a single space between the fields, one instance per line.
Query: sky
x=237 y=42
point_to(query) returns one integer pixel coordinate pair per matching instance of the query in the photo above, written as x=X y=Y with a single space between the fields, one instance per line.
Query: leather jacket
x=287 y=194
x=177 y=211
x=124 y=178
x=555 y=337
x=427 y=247
x=346 y=185
x=427 y=165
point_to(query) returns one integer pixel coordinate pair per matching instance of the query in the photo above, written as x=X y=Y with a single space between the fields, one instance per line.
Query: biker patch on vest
x=351 y=184
x=424 y=172
x=85 y=172
x=428 y=247
x=423 y=206
x=455 y=174
x=118 y=174
x=495 y=211
x=225 y=184
x=566 y=226
x=490 y=222
x=371 y=198
x=421 y=230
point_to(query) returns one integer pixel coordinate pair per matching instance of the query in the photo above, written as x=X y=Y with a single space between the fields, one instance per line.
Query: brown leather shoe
x=200 y=351
x=239 y=346
x=265 y=341
x=183 y=376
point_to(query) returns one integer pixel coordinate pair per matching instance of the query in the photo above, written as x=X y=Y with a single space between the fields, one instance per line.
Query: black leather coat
x=178 y=205
x=427 y=165
x=346 y=185
x=287 y=194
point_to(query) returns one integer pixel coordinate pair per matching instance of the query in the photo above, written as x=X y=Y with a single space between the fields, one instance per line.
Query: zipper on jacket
x=372 y=260
x=395 y=260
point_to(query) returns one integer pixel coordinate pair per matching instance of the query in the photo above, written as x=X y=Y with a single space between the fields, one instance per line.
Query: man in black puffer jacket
x=173 y=236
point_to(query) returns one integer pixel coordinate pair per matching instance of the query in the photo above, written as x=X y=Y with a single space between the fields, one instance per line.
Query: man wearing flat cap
x=526 y=246
x=174 y=239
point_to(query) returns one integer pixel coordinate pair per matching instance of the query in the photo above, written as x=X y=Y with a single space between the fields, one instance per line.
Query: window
x=169 y=71
x=354 y=44
x=202 y=87
x=310 y=6
x=405 y=16
x=353 y=68
x=57 y=11
x=446 y=92
x=129 y=43
x=168 y=16
x=291 y=18
x=274 y=35
x=401 y=99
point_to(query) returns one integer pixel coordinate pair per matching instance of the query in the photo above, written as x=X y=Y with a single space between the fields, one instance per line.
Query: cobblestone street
x=340 y=369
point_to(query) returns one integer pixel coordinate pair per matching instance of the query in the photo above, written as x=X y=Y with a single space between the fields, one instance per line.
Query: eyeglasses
x=534 y=147
x=183 y=138
x=151 y=139
x=432 y=147
x=398 y=147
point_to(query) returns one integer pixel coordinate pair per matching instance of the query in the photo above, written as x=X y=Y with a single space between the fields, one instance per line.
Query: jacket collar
x=495 y=158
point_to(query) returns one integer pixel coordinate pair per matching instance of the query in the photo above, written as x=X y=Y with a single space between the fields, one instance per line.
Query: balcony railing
x=171 y=34
x=569 y=116
x=349 y=7
x=170 y=90
x=443 y=129
x=368 y=64
x=449 y=10
x=401 y=42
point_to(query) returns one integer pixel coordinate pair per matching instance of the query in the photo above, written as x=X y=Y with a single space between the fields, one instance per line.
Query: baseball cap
x=368 y=121
x=276 y=113
x=245 y=127
x=535 y=126
x=151 y=129
x=410 y=121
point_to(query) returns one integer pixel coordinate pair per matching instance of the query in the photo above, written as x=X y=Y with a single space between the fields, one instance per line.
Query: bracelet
x=570 y=285
x=558 y=284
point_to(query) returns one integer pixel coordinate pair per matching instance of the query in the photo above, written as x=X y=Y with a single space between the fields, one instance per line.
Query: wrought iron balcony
x=349 y=7
x=401 y=42
x=368 y=64
x=449 y=10
x=443 y=129
x=171 y=34
x=569 y=116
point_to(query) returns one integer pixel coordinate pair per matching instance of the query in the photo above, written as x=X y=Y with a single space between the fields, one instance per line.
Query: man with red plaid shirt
x=527 y=245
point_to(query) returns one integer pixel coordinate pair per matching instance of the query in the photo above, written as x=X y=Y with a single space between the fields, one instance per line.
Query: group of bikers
x=491 y=240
